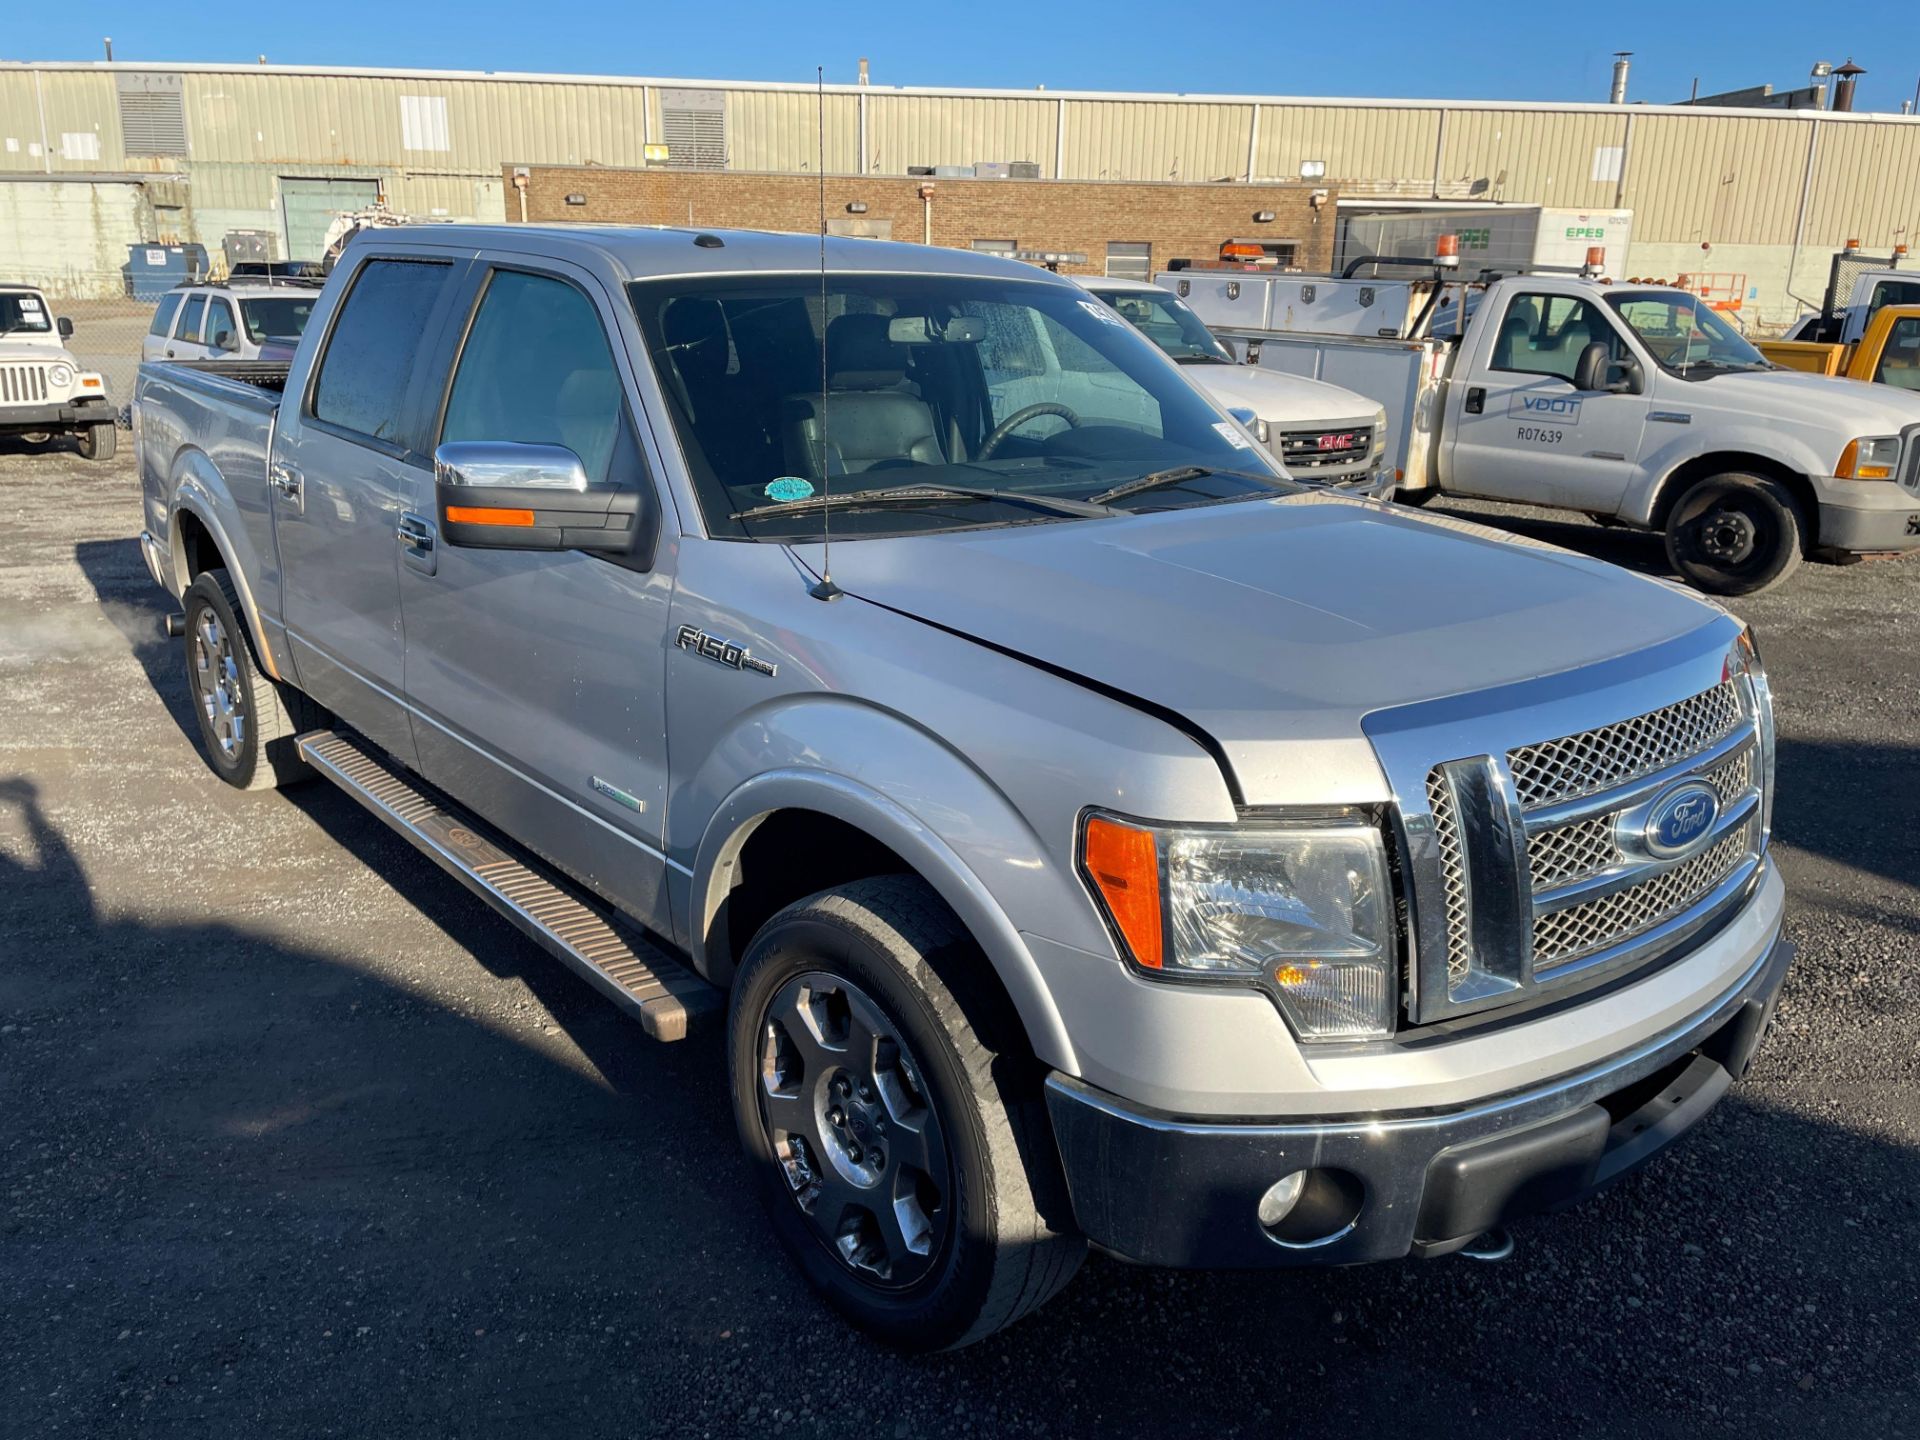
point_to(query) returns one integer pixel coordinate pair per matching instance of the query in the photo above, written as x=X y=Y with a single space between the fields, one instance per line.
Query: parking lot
x=296 y=1138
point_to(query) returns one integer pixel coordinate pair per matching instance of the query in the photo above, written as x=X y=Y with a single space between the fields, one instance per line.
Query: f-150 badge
x=727 y=652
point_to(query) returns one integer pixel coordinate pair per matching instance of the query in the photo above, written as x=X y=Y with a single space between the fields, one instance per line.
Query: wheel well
x=197 y=546
x=1728 y=461
x=789 y=855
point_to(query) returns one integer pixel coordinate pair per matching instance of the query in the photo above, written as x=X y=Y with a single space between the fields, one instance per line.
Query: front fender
x=921 y=800
x=198 y=489
x=1661 y=461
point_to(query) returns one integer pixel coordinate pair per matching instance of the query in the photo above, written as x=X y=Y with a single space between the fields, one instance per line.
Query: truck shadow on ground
x=287 y=1183
x=1640 y=550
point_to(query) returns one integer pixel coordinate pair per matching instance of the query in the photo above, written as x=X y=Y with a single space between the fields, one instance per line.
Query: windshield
x=1685 y=336
x=283 y=316
x=1163 y=319
x=1030 y=388
x=23 y=311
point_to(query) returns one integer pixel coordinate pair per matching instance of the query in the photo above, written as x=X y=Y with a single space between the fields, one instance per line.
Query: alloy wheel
x=216 y=681
x=848 y=1119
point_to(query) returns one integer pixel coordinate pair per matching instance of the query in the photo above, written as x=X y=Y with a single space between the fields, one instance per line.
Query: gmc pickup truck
x=1083 y=832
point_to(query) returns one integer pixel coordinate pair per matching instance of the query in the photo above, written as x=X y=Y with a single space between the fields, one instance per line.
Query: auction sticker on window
x=1230 y=433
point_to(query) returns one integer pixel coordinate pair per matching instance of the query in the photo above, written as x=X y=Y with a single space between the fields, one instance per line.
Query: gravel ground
x=297 y=1139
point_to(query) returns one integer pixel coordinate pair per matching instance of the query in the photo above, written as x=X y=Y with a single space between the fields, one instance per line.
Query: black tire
x=1416 y=497
x=97 y=442
x=247 y=721
x=1735 y=534
x=999 y=1237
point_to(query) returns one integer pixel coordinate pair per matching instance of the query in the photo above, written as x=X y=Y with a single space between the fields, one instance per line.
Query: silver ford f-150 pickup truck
x=1105 y=838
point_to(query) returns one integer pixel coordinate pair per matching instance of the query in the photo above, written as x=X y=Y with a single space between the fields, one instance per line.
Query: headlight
x=1379 y=430
x=1260 y=431
x=60 y=375
x=1301 y=908
x=1874 y=457
x=1743 y=662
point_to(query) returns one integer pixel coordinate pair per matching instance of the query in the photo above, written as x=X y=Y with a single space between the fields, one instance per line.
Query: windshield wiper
x=1200 y=358
x=932 y=490
x=1174 y=476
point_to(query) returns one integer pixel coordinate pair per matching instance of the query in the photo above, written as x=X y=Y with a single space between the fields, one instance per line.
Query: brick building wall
x=1177 y=220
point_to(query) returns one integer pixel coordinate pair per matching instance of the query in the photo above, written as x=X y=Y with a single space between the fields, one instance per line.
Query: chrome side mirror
x=502 y=495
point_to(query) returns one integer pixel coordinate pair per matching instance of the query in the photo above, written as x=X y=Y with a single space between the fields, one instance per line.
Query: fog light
x=1281 y=1197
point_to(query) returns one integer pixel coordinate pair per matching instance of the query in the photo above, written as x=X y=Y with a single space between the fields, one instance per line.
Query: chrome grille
x=1566 y=853
x=1533 y=869
x=1614 y=754
x=1563 y=935
x=1446 y=830
x=23 y=384
x=1316 y=450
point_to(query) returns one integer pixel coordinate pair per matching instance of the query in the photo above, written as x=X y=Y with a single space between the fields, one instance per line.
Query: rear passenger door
x=153 y=345
x=536 y=677
x=349 y=448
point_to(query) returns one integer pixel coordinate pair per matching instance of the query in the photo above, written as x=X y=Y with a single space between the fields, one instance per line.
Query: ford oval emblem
x=1680 y=819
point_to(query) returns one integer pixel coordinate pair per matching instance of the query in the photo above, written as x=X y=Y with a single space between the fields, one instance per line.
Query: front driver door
x=1521 y=431
x=535 y=677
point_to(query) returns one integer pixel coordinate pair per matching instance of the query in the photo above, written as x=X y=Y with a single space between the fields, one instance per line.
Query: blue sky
x=1538 y=51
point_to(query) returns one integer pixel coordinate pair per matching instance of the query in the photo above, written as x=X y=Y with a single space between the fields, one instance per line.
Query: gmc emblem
x=1344 y=440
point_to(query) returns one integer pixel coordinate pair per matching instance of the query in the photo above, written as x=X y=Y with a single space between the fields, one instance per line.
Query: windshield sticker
x=1105 y=314
x=30 y=304
x=1230 y=433
x=788 y=488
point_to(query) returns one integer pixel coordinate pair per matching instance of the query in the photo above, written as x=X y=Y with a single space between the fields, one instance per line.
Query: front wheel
x=897 y=1131
x=98 y=442
x=1735 y=534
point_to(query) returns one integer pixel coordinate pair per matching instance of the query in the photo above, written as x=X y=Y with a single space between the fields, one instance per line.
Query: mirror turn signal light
x=487 y=515
x=1123 y=862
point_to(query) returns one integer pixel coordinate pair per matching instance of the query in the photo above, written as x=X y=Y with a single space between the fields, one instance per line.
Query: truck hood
x=1281 y=399
x=1828 y=402
x=1274 y=626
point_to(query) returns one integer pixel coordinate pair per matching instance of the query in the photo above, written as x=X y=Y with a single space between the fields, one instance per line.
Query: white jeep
x=43 y=390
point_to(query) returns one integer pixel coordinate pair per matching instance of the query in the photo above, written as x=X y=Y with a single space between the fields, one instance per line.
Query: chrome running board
x=665 y=996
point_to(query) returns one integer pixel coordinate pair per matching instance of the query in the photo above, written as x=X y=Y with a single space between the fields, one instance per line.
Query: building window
x=153 y=114
x=423 y=122
x=1129 y=260
x=694 y=123
x=995 y=247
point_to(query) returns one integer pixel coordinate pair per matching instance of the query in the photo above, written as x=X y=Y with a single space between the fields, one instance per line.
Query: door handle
x=169 y=352
x=1476 y=400
x=287 y=481
x=412 y=532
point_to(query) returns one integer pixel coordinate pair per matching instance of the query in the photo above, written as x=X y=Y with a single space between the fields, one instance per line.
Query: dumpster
x=152 y=270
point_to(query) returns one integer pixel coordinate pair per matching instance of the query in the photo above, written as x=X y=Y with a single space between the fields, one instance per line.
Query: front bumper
x=84 y=411
x=1868 y=517
x=1159 y=1190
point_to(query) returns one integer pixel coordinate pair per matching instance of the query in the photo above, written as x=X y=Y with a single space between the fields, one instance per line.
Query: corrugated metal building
x=208 y=149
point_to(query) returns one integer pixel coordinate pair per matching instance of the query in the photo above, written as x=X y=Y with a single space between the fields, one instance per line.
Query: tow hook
x=175 y=625
x=1490 y=1245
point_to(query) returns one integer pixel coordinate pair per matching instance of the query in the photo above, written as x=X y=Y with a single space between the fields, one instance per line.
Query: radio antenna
x=823 y=588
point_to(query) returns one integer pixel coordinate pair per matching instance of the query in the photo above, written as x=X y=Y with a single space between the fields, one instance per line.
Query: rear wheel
x=98 y=442
x=897 y=1129
x=1735 y=534
x=247 y=722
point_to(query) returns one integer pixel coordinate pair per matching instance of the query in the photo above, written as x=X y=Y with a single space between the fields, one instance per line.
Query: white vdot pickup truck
x=1633 y=403
x=1112 y=840
x=44 y=391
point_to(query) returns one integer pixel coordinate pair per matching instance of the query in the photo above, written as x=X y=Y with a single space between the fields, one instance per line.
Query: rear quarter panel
x=204 y=446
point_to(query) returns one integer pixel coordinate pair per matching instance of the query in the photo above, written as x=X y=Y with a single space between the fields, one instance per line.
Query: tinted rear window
x=370 y=354
x=190 y=321
x=163 y=317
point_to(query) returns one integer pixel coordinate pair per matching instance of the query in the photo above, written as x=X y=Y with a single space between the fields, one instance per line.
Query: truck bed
x=206 y=427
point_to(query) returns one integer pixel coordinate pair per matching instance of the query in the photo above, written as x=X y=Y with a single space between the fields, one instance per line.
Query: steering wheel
x=1013 y=422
